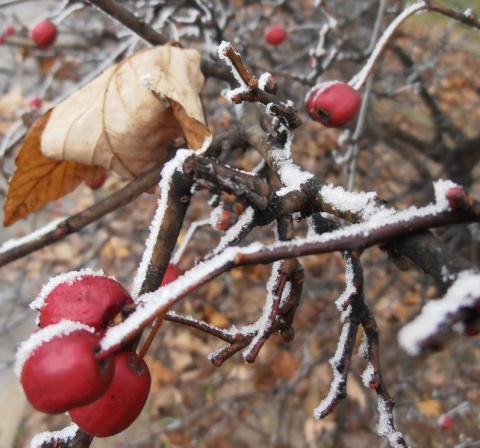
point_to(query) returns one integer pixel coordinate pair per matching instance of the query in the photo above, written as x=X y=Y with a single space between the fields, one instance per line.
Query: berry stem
x=361 y=77
x=156 y=325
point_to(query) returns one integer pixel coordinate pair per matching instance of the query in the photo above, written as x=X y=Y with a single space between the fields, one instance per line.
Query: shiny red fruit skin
x=171 y=274
x=122 y=402
x=64 y=373
x=91 y=299
x=275 y=35
x=333 y=103
x=44 y=33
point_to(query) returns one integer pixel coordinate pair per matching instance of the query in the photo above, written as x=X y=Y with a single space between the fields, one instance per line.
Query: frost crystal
x=168 y=171
x=359 y=79
x=15 y=242
x=261 y=326
x=441 y=188
x=243 y=222
x=367 y=375
x=342 y=302
x=68 y=277
x=464 y=292
x=65 y=434
x=153 y=302
x=384 y=427
x=319 y=411
x=221 y=51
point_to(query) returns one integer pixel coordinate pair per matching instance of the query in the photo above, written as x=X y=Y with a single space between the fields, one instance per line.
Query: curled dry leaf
x=126 y=120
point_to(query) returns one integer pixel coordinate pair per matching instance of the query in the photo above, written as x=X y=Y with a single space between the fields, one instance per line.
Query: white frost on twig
x=37 y=234
x=65 y=435
x=464 y=292
x=243 y=222
x=384 y=426
x=152 y=303
x=262 y=325
x=342 y=302
x=362 y=203
x=360 y=78
x=221 y=51
x=290 y=175
x=263 y=80
x=68 y=277
x=363 y=348
x=194 y=226
x=338 y=378
x=168 y=171
x=367 y=375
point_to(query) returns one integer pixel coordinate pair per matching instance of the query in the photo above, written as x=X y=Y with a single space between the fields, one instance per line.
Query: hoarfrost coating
x=37 y=234
x=168 y=171
x=359 y=79
x=152 y=303
x=261 y=327
x=319 y=411
x=464 y=292
x=46 y=437
x=68 y=277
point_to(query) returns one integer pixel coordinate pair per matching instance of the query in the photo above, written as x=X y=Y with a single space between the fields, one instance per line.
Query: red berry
x=91 y=299
x=445 y=422
x=275 y=35
x=44 y=33
x=121 y=403
x=58 y=368
x=333 y=103
x=35 y=102
x=171 y=274
x=9 y=30
x=97 y=183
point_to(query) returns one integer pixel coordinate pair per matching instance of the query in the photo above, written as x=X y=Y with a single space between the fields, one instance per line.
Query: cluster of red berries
x=61 y=367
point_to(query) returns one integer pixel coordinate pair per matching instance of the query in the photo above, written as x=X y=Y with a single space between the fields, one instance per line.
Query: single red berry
x=93 y=300
x=445 y=422
x=9 y=30
x=121 y=403
x=333 y=103
x=58 y=368
x=171 y=274
x=275 y=35
x=97 y=183
x=44 y=33
x=35 y=102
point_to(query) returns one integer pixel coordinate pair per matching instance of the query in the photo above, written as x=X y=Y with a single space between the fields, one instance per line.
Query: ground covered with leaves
x=432 y=63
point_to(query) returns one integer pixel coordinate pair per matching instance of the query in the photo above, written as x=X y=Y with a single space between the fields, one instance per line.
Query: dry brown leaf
x=126 y=119
x=39 y=179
